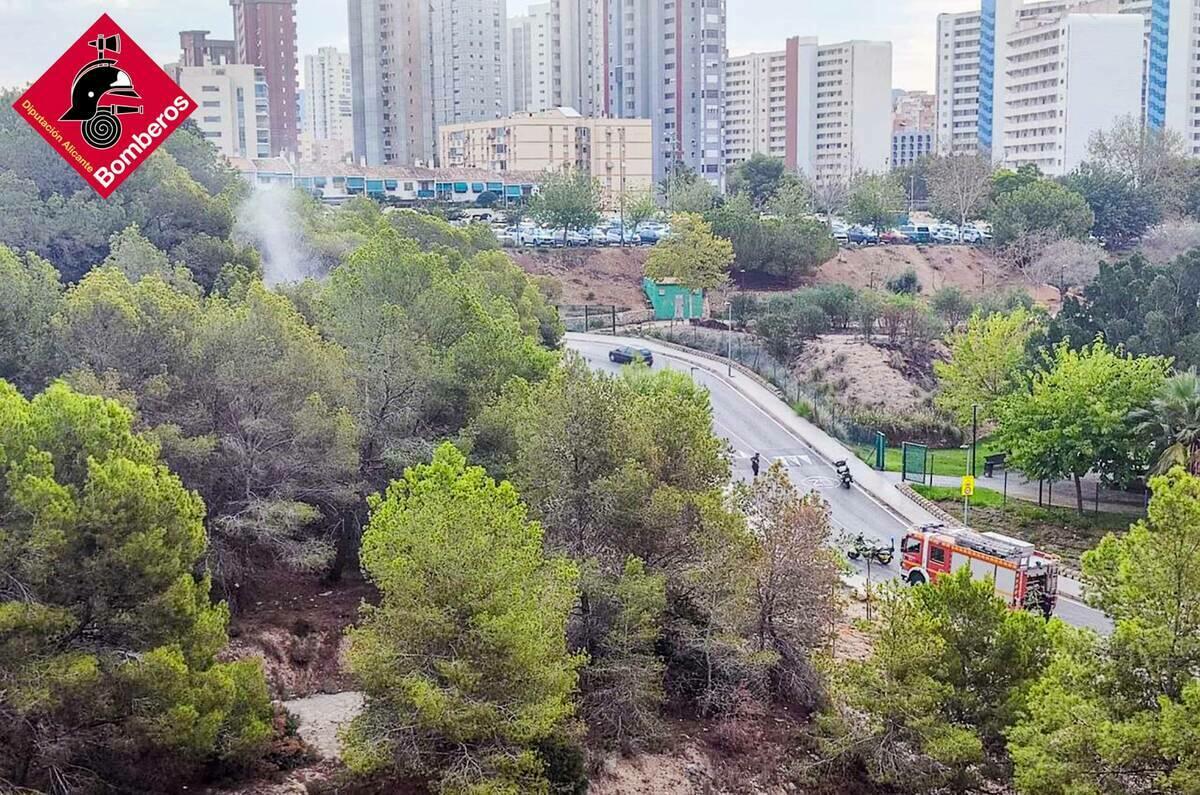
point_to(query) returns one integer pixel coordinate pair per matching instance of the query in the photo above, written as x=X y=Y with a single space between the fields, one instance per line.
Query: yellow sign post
x=968 y=486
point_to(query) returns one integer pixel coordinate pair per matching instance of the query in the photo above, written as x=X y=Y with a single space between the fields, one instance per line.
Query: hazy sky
x=35 y=32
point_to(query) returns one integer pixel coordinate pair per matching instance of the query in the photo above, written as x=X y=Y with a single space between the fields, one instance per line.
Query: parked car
x=916 y=234
x=649 y=236
x=575 y=238
x=975 y=234
x=618 y=236
x=627 y=355
x=893 y=237
x=547 y=238
x=597 y=236
x=862 y=236
x=946 y=234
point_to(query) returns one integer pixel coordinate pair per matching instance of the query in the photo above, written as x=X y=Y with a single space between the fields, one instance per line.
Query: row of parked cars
x=971 y=234
x=612 y=234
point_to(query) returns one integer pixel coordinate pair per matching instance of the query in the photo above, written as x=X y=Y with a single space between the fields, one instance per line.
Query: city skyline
x=42 y=30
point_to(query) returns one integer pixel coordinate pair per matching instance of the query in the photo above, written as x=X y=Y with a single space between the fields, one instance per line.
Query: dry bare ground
x=969 y=268
x=614 y=275
x=610 y=275
x=864 y=374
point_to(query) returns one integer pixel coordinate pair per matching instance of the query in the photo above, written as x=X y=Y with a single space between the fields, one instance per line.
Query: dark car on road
x=626 y=355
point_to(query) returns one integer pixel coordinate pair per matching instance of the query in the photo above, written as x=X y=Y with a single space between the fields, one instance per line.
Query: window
x=911 y=546
x=937 y=554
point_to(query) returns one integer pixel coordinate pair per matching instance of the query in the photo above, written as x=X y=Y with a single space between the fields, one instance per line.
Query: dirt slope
x=590 y=275
x=966 y=267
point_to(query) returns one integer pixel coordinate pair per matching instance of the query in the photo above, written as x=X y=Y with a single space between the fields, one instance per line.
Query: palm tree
x=1173 y=420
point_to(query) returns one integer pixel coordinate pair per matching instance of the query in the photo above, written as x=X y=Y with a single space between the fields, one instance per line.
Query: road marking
x=794 y=460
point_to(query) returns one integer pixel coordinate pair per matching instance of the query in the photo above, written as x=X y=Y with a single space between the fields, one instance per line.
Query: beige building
x=233 y=110
x=619 y=153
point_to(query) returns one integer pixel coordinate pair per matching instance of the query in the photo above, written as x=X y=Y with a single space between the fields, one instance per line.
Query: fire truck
x=1025 y=578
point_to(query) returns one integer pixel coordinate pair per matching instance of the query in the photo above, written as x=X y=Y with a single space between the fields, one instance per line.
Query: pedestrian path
x=1059 y=495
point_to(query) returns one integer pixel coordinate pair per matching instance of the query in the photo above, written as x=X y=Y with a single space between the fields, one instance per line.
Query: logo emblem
x=105 y=106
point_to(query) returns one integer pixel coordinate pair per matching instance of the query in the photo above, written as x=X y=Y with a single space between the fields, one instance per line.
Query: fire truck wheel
x=916 y=578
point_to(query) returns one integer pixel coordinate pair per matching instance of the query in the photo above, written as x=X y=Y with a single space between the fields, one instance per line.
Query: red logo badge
x=105 y=106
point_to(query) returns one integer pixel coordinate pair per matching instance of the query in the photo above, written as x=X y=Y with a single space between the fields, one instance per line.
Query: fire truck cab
x=1025 y=578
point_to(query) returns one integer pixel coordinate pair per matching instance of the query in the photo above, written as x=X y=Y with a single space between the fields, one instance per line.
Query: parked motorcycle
x=861 y=548
x=843 y=470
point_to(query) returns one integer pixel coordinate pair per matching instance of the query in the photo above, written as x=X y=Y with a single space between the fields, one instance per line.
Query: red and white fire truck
x=1025 y=578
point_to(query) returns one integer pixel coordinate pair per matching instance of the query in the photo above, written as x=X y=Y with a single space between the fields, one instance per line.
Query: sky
x=35 y=32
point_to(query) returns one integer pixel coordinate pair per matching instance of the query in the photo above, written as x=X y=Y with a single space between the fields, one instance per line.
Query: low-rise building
x=336 y=182
x=619 y=153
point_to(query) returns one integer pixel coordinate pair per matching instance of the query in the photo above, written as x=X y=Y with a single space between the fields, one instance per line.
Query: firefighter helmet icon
x=97 y=81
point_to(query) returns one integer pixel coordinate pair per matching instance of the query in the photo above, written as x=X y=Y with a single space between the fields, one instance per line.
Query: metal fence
x=601 y=317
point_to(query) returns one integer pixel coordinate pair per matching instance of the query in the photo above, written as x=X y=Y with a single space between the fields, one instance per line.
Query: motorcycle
x=862 y=549
x=843 y=471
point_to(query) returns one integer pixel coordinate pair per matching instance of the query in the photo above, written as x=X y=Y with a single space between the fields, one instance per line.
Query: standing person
x=754 y=464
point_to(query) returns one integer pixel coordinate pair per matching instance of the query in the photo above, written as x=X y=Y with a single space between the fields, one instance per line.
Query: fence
x=601 y=317
x=749 y=351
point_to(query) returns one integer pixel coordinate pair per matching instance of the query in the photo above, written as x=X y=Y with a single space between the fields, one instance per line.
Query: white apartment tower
x=233 y=111
x=853 y=109
x=826 y=109
x=328 y=122
x=1067 y=76
x=666 y=62
x=957 y=92
x=418 y=64
x=756 y=106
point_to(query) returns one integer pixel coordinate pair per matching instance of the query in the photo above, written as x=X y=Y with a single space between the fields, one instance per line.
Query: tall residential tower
x=665 y=61
x=265 y=35
x=419 y=64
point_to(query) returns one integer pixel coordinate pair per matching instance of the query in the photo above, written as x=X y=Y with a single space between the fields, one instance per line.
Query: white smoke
x=269 y=221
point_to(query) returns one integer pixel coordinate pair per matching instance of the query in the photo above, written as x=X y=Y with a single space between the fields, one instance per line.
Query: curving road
x=753 y=420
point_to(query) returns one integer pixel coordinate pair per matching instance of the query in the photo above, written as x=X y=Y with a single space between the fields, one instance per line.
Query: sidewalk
x=1061 y=495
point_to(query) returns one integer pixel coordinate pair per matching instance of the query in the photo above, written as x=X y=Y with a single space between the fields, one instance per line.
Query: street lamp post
x=974 y=434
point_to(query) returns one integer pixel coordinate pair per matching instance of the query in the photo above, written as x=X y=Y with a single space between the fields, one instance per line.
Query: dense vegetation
x=561 y=557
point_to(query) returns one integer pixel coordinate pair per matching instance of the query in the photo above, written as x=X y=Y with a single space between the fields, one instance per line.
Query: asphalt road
x=749 y=429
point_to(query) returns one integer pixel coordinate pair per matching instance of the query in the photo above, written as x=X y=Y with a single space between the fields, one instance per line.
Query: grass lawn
x=1060 y=531
x=950 y=461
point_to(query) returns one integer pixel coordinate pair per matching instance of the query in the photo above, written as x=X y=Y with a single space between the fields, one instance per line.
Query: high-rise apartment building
x=467 y=47
x=328 y=128
x=265 y=34
x=1172 y=66
x=665 y=61
x=196 y=49
x=756 y=119
x=957 y=90
x=1068 y=75
x=520 y=63
x=233 y=110
x=418 y=64
x=825 y=109
x=1053 y=72
x=617 y=152
x=577 y=56
x=853 y=109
